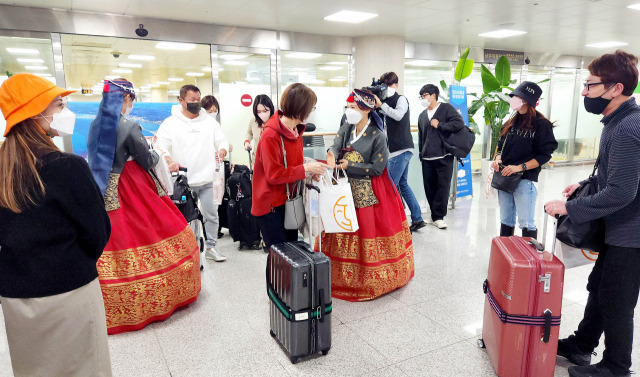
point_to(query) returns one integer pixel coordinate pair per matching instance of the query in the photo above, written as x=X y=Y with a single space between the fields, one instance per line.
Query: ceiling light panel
x=350 y=16
x=330 y=68
x=35 y=67
x=30 y=60
x=24 y=51
x=607 y=44
x=142 y=57
x=121 y=70
x=130 y=65
x=195 y=74
x=504 y=33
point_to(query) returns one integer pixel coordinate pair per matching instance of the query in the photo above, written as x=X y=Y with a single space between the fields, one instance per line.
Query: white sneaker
x=440 y=224
x=212 y=253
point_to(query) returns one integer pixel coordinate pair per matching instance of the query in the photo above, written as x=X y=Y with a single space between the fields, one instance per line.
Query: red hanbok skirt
x=151 y=265
x=377 y=258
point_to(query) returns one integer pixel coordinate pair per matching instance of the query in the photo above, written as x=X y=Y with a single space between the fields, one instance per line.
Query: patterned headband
x=125 y=87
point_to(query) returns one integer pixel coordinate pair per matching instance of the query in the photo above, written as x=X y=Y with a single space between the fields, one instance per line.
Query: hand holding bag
x=504 y=183
x=589 y=235
x=294 y=212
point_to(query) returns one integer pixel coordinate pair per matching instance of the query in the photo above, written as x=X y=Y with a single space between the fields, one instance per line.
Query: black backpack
x=186 y=199
x=239 y=183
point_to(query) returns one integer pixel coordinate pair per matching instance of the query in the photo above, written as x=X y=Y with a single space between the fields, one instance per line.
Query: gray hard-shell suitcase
x=299 y=288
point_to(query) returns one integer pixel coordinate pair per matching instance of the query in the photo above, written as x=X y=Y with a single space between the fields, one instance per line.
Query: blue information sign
x=458 y=99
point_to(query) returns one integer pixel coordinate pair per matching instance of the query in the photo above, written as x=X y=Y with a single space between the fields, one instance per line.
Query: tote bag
x=337 y=209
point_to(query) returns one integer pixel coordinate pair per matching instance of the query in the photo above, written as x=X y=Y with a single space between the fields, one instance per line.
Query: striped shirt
x=617 y=199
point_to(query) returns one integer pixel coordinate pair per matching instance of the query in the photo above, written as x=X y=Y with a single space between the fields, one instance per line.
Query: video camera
x=378 y=88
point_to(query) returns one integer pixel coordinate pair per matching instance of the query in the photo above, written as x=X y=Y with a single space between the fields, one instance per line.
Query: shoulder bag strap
x=284 y=154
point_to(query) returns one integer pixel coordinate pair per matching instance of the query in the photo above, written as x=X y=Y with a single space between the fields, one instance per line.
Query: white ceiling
x=556 y=26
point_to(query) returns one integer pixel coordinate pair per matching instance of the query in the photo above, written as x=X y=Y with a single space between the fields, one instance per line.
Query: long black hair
x=264 y=100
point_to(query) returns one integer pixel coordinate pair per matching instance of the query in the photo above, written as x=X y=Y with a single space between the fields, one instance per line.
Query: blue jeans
x=521 y=203
x=399 y=170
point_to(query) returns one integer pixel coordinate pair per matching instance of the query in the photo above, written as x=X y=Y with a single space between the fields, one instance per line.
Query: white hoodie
x=192 y=143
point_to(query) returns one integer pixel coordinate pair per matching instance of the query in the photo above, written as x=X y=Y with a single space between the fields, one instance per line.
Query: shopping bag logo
x=340 y=215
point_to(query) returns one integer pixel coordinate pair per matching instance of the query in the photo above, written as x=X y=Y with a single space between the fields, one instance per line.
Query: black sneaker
x=595 y=370
x=416 y=226
x=568 y=349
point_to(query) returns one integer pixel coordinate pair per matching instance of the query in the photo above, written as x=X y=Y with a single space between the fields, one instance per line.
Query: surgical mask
x=596 y=105
x=214 y=115
x=127 y=111
x=264 y=117
x=390 y=91
x=516 y=103
x=353 y=116
x=194 y=107
x=63 y=122
x=425 y=102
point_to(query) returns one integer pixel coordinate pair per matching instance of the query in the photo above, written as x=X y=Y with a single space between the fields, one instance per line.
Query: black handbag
x=588 y=235
x=504 y=183
x=459 y=143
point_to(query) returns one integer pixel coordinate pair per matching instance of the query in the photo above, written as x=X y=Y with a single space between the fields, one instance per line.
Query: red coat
x=269 y=174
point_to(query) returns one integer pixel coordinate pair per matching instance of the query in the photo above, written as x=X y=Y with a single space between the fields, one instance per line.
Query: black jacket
x=523 y=145
x=53 y=247
x=430 y=139
x=398 y=132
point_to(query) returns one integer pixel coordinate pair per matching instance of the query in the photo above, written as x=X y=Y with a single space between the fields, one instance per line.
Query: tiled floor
x=428 y=328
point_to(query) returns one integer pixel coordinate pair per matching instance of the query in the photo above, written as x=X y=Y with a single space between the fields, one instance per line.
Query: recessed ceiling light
x=504 y=33
x=26 y=51
x=176 y=79
x=35 y=67
x=236 y=62
x=175 y=46
x=197 y=74
x=337 y=63
x=163 y=82
x=121 y=70
x=606 y=44
x=154 y=85
x=330 y=68
x=29 y=60
x=142 y=57
x=130 y=65
x=350 y=16
x=634 y=6
x=43 y=74
x=337 y=79
x=233 y=56
x=421 y=63
x=303 y=55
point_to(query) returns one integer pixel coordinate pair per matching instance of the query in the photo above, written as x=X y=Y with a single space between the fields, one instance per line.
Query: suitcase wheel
x=294 y=359
x=201 y=268
x=325 y=352
x=273 y=335
x=481 y=343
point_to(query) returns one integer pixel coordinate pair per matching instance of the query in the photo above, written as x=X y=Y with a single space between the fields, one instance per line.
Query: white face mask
x=63 y=122
x=264 y=117
x=391 y=91
x=425 y=102
x=214 y=114
x=353 y=116
x=127 y=111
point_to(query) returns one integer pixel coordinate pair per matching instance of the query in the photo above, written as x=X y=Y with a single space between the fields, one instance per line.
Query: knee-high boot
x=506 y=231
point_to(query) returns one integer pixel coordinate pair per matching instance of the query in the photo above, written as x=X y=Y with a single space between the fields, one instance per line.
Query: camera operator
x=395 y=109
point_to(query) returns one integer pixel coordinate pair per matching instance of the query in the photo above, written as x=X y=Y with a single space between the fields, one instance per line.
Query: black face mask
x=194 y=107
x=596 y=105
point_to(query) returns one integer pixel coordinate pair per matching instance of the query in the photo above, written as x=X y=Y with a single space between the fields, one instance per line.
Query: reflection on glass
x=588 y=130
x=563 y=91
x=157 y=73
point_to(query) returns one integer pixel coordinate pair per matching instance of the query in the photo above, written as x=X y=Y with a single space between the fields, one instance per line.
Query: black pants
x=613 y=288
x=436 y=177
x=272 y=228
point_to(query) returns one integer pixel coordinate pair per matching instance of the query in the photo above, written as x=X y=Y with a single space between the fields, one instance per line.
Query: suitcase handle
x=322 y=306
x=537 y=244
x=547 y=326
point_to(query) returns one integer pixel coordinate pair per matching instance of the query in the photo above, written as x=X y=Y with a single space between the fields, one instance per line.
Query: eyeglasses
x=424 y=96
x=589 y=85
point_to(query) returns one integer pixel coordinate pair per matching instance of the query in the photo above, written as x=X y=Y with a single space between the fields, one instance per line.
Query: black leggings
x=272 y=228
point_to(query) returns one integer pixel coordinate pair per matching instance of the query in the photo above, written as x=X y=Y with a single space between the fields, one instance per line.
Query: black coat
x=430 y=139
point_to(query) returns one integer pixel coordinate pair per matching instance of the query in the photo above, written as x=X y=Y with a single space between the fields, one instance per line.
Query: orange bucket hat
x=24 y=95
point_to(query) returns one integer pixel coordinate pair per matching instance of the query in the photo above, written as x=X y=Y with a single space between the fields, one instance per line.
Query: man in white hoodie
x=194 y=140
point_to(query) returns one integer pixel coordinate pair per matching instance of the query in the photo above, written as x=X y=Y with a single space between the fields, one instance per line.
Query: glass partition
x=563 y=93
x=588 y=130
x=26 y=55
x=243 y=76
x=327 y=75
x=157 y=69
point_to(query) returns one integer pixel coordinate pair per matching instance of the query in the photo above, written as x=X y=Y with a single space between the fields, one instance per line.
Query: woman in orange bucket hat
x=53 y=228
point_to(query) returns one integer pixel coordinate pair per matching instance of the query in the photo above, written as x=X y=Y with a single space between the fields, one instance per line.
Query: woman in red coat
x=270 y=177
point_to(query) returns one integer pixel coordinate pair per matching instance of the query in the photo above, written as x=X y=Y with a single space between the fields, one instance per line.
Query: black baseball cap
x=529 y=91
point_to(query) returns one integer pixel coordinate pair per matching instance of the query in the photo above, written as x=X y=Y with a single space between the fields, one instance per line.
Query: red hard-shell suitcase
x=522 y=307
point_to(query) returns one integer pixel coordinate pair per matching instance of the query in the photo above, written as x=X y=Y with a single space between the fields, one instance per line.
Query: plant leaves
x=464 y=66
x=545 y=80
x=489 y=82
x=464 y=54
x=443 y=85
x=503 y=70
x=514 y=81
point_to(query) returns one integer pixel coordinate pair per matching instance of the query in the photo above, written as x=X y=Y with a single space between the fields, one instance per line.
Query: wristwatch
x=524 y=167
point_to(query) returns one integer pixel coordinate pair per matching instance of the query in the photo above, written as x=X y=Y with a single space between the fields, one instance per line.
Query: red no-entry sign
x=246 y=100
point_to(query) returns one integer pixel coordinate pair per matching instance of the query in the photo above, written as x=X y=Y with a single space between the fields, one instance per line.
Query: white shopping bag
x=337 y=210
x=218 y=182
x=161 y=169
x=488 y=192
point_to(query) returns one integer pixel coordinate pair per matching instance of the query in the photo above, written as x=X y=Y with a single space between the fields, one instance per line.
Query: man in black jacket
x=436 y=122
x=614 y=282
x=395 y=109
